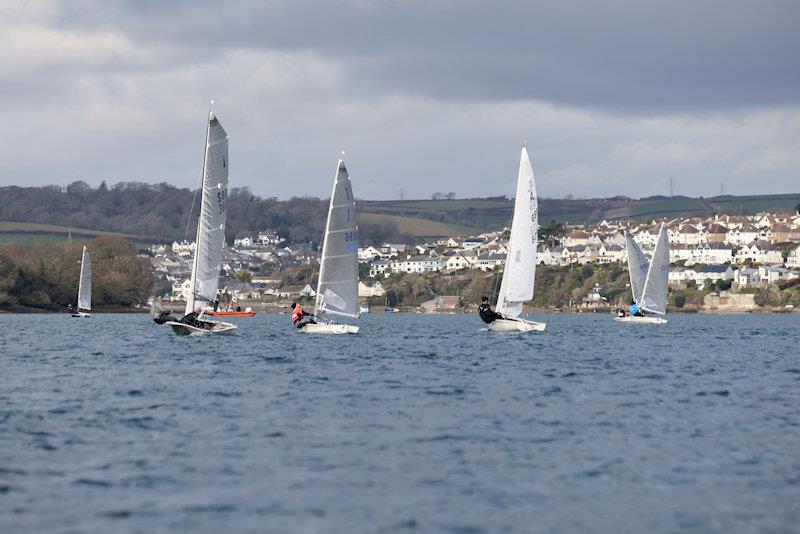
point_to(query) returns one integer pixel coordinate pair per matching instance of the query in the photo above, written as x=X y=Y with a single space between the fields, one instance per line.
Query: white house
x=181 y=290
x=746 y=277
x=417 y=264
x=680 y=275
x=184 y=248
x=712 y=253
x=380 y=267
x=243 y=241
x=759 y=252
x=456 y=262
x=793 y=260
x=711 y=273
x=368 y=253
x=487 y=262
x=743 y=235
x=375 y=290
x=610 y=253
x=771 y=275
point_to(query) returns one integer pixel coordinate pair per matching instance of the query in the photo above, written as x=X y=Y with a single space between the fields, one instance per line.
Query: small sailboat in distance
x=84 y=286
x=337 y=287
x=520 y=266
x=210 y=239
x=649 y=281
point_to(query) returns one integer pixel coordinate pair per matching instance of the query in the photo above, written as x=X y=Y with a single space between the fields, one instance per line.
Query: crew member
x=486 y=313
x=635 y=310
x=299 y=317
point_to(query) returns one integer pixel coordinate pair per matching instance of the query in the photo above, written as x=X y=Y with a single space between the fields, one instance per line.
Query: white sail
x=654 y=296
x=637 y=268
x=85 y=283
x=337 y=289
x=211 y=226
x=520 y=267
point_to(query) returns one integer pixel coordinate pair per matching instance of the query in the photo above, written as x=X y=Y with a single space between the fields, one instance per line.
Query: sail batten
x=211 y=226
x=520 y=266
x=337 y=287
x=85 y=282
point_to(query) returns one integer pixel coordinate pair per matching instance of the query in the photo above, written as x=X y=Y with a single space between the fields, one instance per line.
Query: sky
x=612 y=98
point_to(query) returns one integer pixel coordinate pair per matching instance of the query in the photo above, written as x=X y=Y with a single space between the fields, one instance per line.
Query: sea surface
x=418 y=423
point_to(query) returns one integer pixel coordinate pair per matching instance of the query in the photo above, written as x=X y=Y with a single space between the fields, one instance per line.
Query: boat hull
x=641 y=319
x=81 y=314
x=325 y=328
x=218 y=327
x=515 y=325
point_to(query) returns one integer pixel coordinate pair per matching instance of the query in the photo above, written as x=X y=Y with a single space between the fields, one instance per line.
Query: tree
x=243 y=275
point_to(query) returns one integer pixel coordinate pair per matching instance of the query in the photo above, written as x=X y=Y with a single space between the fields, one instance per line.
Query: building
x=712 y=253
x=242 y=241
x=184 y=248
x=711 y=273
x=380 y=267
x=760 y=252
x=747 y=276
x=375 y=290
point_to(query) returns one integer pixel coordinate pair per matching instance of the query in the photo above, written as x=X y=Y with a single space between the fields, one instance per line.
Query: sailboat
x=84 y=286
x=520 y=265
x=337 y=286
x=210 y=236
x=649 y=281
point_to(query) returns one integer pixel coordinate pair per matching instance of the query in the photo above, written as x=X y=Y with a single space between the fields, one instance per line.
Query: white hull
x=323 y=328
x=641 y=319
x=81 y=314
x=187 y=330
x=515 y=325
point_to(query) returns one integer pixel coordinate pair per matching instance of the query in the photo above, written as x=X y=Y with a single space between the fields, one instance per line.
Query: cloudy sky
x=436 y=95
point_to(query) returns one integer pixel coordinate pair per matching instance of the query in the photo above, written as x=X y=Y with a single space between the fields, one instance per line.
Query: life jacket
x=297 y=313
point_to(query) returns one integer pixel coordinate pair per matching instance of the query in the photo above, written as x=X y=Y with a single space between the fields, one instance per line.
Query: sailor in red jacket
x=299 y=316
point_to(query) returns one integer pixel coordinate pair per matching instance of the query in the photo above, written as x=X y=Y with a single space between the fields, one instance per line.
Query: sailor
x=486 y=313
x=192 y=319
x=635 y=310
x=299 y=317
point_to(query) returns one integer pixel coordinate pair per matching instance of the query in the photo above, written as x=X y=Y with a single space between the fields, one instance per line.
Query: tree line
x=45 y=274
x=161 y=211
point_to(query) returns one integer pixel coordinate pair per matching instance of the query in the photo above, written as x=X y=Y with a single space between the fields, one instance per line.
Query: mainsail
x=85 y=283
x=337 y=289
x=654 y=296
x=211 y=226
x=520 y=267
x=637 y=267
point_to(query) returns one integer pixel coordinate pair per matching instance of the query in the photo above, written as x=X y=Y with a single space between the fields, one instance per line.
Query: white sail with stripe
x=337 y=287
x=211 y=226
x=520 y=266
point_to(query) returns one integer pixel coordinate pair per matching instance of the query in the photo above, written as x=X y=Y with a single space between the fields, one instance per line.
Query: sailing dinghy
x=648 y=281
x=210 y=236
x=84 y=286
x=337 y=286
x=520 y=266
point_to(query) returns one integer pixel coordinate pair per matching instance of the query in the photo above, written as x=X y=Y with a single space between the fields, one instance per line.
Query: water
x=420 y=423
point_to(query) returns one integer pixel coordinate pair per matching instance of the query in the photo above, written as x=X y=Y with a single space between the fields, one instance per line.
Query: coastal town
x=735 y=254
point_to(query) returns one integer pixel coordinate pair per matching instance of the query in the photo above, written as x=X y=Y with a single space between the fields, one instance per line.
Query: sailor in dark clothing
x=486 y=313
x=299 y=317
x=192 y=320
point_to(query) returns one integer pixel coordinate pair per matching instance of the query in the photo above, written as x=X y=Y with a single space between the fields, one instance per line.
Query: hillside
x=160 y=212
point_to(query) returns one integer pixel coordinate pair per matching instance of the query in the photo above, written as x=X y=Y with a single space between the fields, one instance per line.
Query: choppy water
x=420 y=423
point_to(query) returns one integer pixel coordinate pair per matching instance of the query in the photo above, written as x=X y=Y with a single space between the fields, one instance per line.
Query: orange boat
x=233 y=313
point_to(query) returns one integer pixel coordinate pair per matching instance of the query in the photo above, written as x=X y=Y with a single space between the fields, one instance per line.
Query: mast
x=190 y=300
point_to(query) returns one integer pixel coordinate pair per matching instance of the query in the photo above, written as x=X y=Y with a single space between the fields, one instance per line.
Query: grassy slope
x=418 y=227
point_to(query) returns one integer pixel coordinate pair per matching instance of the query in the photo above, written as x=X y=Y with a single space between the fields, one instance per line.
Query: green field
x=418 y=227
x=18 y=233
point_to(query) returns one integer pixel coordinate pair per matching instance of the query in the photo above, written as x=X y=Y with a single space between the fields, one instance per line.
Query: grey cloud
x=624 y=55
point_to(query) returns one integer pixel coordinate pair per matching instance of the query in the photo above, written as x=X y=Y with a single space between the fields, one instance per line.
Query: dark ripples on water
x=419 y=423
